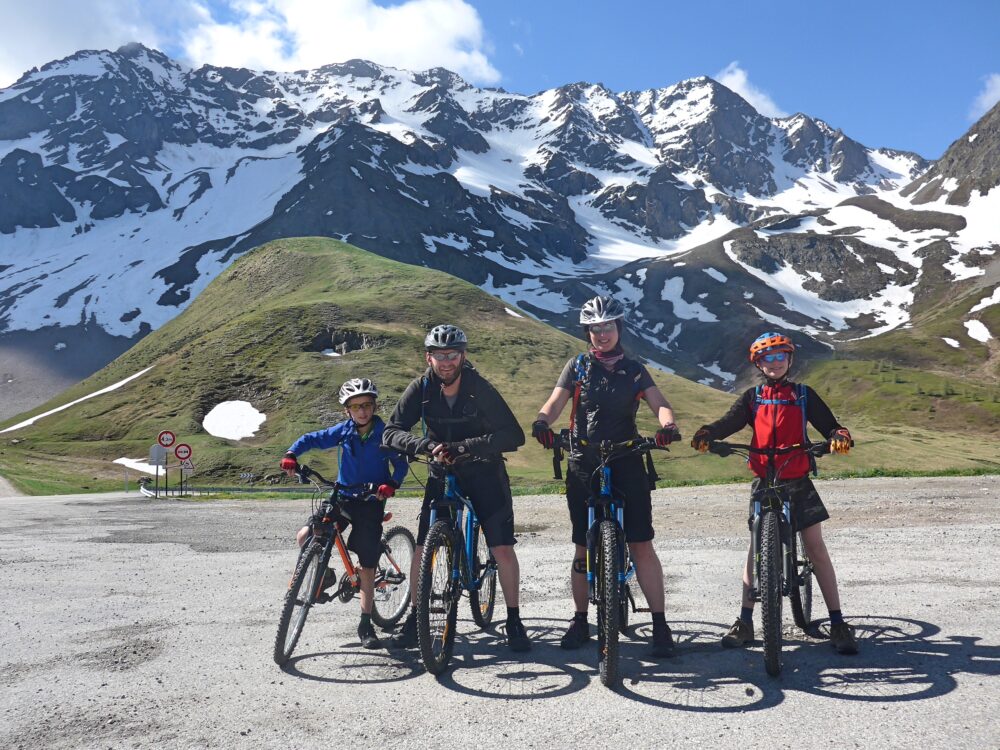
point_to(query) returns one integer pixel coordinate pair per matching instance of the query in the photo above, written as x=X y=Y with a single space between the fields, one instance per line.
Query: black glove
x=426 y=446
x=541 y=432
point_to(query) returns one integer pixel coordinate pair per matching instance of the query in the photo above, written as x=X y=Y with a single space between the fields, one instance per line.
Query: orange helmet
x=770 y=342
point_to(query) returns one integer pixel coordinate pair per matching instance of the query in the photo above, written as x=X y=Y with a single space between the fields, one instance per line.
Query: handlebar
x=607 y=449
x=305 y=473
x=721 y=448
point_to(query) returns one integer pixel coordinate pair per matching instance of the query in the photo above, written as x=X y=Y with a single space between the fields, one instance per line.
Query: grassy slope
x=253 y=334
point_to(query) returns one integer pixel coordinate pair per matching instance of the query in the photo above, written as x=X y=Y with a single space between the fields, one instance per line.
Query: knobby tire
x=392 y=577
x=608 y=603
x=437 y=600
x=483 y=599
x=301 y=595
x=770 y=591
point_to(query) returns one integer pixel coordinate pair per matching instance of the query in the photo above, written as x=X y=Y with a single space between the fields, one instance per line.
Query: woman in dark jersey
x=606 y=387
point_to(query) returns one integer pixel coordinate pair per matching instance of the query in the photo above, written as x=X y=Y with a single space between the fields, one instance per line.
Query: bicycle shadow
x=899 y=659
x=354 y=666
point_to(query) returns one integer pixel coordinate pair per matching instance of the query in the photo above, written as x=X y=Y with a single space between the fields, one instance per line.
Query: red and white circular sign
x=166 y=438
x=183 y=451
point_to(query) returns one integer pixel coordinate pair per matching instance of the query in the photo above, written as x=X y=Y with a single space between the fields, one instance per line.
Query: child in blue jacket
x=363 y=461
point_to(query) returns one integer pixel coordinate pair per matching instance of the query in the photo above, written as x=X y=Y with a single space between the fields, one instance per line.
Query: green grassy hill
x=257 y=334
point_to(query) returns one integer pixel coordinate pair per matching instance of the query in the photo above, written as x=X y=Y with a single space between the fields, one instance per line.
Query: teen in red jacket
x=778 y=412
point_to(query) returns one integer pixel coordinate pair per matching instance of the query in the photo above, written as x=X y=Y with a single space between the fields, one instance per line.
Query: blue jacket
x=361 y=462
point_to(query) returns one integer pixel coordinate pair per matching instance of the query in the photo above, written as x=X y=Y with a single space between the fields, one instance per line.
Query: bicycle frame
x=464 y=524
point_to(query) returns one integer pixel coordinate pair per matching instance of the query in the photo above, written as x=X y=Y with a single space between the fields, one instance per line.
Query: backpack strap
x=424 y=382
x=580 y=371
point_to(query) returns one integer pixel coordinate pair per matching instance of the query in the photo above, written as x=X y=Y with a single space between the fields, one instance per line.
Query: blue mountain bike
x=456 y=558
x=610 y=570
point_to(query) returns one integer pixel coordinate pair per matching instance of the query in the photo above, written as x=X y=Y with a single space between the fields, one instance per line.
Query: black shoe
x=517 y=636
x=662 y=641
x=739 y=635
x=576 y=635
x=407 y=636
x=368 y=638
x=842 y=638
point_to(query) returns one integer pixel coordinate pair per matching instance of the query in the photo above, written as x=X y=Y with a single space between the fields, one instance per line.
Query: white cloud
x=261 y=34
x=44 y=30
x=989 y=96
x=298 y=34
x=735 y=78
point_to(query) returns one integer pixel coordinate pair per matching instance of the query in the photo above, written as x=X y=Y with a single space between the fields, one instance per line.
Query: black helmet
x=446 y=337
x=357 y=387
x=601 y=310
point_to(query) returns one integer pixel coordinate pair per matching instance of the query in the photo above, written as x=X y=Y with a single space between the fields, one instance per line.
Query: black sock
x=513 y=614
x=836 y=618
x=580 y=616
x=746 y=614
x=366 y=622
x=659 y=620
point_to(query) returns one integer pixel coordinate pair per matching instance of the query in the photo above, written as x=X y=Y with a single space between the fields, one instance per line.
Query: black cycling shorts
x=807 y=508
x=365 y=519
x=629 y=482
x=488 y=489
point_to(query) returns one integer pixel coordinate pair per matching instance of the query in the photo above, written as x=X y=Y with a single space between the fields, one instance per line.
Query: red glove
x=541 y=432
x=385 y=491
x=289 y=464
x=666 y=435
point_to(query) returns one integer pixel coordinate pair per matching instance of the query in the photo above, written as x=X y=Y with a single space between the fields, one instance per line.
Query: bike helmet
x=601 y=310
x=357 y=387
x=770 y=342
x=446 y=337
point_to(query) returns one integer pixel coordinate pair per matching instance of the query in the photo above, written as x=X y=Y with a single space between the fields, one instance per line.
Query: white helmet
x=357 y=387
x=446 y=337
x=601 y=310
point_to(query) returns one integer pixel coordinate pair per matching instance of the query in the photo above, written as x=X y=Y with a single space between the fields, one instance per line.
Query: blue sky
x=911 y=75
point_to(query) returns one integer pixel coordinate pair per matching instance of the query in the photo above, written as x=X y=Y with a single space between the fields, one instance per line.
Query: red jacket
x=776 y=425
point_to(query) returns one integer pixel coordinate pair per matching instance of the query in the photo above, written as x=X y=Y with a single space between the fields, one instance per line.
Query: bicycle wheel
x=608 y=603
x=392 y=577
x=801 y=595
x=770 y=591
x=301 y=594
x=483 y=599
x=437 y=599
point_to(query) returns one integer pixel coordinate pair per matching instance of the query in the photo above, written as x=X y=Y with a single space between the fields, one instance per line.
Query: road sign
x=166 y=438
x=187 y=465
x=157 y=455
x=183 y=451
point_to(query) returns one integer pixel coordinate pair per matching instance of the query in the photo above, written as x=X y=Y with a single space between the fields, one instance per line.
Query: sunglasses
x=363 y=406
x=779 y=357
x=445 y=356
x=603 y=328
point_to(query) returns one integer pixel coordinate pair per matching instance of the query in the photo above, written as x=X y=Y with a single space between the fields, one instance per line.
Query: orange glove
x=840 y=442
x=700 y=440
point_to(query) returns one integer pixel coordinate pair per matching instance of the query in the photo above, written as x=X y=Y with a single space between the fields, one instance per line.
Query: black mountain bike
x=781 y=566
x=455 y=558
x=307 y=586
x=610 y=569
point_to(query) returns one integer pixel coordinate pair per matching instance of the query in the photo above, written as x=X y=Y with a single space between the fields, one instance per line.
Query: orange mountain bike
x=307 y=586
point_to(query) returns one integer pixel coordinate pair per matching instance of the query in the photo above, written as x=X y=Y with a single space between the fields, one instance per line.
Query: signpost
x=157 y=458
x=166 y=438
x=183 y=452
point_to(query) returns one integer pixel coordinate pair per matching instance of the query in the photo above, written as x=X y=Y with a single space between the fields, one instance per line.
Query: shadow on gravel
x=358 y=667
x=899 y=660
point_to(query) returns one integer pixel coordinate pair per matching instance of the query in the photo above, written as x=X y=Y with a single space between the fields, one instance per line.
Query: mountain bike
x=610 y=570
x=308 y=585
x=455 y=558
x=781 y=566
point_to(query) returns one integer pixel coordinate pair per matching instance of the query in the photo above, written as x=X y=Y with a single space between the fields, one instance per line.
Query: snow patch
x=233 y=420
x=716 y=274
x=110 y=388
x=993 y=299
x=951 y=342
x=977 y=330
x=512 y=313
x=673 y=289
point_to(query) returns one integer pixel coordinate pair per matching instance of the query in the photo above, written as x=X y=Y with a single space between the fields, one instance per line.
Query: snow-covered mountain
x=128 y=181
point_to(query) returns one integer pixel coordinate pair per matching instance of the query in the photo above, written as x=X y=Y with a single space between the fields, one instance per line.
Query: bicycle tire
x=483 y=600
x=608 y=604
x=801 y=595
x=628 y=590
x=301 y=595
x=392 y=577
x=770 y=591
x=437 y=603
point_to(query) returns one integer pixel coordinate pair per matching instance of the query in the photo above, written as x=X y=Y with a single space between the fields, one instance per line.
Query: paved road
x=127 y=622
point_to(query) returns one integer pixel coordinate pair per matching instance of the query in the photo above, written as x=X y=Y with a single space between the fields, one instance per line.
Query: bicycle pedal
x=642 y=609
x=438 y=610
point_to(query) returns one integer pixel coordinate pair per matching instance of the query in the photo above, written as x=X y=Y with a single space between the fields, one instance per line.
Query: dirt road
x=128 y=622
